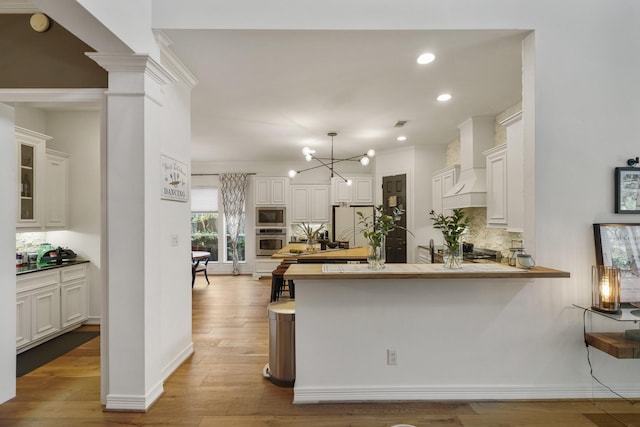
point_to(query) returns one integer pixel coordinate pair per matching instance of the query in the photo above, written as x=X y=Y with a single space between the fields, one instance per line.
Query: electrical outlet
x=392 y=357
x=174 y=240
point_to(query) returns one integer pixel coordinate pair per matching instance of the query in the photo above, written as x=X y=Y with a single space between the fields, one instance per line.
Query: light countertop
x=418 y=271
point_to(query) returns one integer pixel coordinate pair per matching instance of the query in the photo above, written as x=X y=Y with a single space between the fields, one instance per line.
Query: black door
x=394 y=194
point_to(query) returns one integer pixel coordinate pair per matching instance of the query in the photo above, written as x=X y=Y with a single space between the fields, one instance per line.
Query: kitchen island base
x=456 y=338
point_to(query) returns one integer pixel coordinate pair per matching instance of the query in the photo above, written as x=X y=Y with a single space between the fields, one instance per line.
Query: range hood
x=476 y=136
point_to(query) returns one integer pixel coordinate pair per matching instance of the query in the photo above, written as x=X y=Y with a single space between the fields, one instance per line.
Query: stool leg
x=292 y=289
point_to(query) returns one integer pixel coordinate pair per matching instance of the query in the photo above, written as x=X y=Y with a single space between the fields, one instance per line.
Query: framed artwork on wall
x=627 y=190
x=618 y=245
x=175 y=179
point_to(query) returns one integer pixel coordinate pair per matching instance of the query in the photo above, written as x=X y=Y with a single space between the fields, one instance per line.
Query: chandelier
x=328 y=163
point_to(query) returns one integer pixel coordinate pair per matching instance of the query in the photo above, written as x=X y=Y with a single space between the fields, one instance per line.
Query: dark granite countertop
x=32 y=268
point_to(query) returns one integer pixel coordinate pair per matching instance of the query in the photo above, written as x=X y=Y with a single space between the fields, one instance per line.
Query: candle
x=605 y=288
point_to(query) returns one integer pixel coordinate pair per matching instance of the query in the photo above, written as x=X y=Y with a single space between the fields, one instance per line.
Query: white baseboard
x=177 y=361
x=134 y=403
x=461 y=393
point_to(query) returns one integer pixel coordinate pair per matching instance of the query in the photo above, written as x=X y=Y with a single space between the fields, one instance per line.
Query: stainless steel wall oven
x=270 y=240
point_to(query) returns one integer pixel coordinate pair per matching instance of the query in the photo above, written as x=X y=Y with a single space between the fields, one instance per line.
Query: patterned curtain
x=233 y=187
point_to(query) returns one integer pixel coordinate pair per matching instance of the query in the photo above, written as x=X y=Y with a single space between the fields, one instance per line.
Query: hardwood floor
x=222 y=385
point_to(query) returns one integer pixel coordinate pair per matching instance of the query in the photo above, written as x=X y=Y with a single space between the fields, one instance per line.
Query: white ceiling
x=263 y=95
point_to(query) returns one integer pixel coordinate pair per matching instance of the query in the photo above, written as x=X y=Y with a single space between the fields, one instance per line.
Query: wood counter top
x=418 y=271
x=329 y=254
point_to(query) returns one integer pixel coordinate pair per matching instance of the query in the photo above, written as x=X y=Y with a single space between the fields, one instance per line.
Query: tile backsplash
x=490 y=238
x=30 y=242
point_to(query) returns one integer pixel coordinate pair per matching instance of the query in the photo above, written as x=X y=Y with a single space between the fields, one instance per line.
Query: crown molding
x=17 y=6
x=51 y=95
x=172 y=62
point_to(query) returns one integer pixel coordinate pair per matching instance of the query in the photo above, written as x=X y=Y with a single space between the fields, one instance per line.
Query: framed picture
x=175 y=179
x=618 y=245
x=627 y=190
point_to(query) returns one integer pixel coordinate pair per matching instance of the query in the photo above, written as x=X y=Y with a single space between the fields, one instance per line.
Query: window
x=204 y=220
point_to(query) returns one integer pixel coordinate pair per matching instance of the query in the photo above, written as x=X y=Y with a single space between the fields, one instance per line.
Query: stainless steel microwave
x=271 y=216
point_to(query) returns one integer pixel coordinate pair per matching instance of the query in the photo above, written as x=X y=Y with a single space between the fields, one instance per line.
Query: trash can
x=281 y=369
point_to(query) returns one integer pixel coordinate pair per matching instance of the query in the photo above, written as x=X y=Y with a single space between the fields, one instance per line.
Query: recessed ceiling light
x=444 y=97
x=425 y=58
x=401 y=138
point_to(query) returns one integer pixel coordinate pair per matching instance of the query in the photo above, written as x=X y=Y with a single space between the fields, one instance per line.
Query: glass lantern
x=605 y=286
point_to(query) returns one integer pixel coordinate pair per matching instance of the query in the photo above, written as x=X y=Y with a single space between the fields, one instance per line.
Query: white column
x=8 y=183
x=131 y=313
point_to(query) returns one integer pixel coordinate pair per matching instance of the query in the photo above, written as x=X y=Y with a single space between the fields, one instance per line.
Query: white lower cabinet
x=264 y=267
x=73 y=295
x=49 y=303
x=45 y=312
x=23 y=320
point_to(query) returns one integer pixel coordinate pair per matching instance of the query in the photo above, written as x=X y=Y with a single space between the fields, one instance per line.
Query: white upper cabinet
x=515 y=172
x=505 y=179
x=271 y=190
x=30 y=150
x=497 y=186
x=310 y=203
x=56 y=189
x=360 y=192
x=441 y=182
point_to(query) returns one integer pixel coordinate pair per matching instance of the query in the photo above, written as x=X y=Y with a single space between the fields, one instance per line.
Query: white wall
x=8 y=182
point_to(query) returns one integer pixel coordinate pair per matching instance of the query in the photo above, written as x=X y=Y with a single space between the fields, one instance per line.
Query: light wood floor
x=222 y=385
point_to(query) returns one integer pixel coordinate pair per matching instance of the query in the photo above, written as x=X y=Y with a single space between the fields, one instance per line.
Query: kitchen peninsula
x=415 y=331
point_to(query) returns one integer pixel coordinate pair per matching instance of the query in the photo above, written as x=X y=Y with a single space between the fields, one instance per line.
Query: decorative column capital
x=133 y=63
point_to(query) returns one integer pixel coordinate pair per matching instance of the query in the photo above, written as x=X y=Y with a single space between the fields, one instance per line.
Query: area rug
x=47 y=351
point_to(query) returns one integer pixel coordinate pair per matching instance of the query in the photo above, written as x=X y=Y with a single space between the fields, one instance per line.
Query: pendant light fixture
x=328 y=163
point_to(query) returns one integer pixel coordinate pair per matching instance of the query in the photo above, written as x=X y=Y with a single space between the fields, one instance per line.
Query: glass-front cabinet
x=31 y=153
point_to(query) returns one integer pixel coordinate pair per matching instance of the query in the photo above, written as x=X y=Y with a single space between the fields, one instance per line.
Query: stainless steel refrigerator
x=346 y=225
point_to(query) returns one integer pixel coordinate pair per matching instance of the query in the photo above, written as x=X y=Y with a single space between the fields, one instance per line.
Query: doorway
x=394 y=194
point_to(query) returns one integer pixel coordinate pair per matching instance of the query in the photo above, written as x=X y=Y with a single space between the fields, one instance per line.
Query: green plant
x=376 y=227
x=310 y=232
x=452 y=227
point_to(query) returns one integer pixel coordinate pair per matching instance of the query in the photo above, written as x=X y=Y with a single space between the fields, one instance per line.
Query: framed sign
x=618 y=245
x=627 y=190
x=175 y=179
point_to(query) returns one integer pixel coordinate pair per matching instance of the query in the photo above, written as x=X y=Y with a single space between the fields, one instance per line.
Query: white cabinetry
x=43 y=183
x=441 y=182
x=30 y=150
x=360 y=192
x=310 y=203
x=505 y=179
x=497 y=186
x=271 y=190
x=56 y=189
x=515 y=172
x=73 y=295
x=23 y=319
x=264 y=267
x=45 y=311
x=49 y=303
